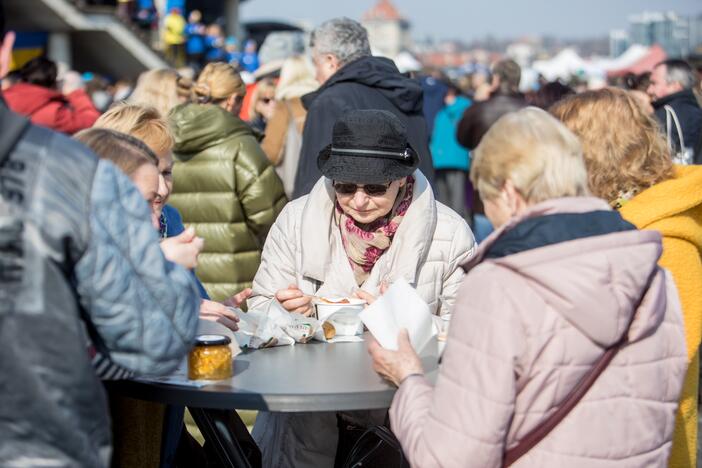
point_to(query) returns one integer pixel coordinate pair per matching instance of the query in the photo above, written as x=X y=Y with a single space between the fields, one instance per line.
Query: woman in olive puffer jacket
x=224 y=185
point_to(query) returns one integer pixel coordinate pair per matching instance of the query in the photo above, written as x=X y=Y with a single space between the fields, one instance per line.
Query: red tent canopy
x=655 y=55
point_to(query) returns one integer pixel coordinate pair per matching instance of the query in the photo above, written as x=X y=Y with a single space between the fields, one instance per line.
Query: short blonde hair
x=296 y=78
x=144 y=123
x=541 y=157
x=217 y=82
x=159 y=89
x=625 y=150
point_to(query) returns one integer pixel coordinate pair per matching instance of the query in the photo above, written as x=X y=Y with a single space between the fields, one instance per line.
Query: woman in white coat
x=371 y=219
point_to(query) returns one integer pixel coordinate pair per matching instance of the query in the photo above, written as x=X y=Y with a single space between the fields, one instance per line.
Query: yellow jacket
x=174 y=29
x=674 y=207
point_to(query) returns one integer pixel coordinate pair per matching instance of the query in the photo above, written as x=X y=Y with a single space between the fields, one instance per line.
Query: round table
x=301 y=378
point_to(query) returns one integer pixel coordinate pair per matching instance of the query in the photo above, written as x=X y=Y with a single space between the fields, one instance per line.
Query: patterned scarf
x=364 y=244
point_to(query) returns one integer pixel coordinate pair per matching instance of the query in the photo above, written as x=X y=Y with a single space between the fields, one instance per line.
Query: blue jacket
x=446 y=152
x=172 y=225
x=78 y=258
x=195 y=43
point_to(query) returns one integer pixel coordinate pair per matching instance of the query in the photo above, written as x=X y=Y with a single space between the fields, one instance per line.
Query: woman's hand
x=183 y=249
x=238 y=299
x=294 y=301
x=368 y=297
x=216 y=312
x=395 y=366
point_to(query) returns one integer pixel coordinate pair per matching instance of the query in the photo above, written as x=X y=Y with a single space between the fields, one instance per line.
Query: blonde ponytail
x=218 y=82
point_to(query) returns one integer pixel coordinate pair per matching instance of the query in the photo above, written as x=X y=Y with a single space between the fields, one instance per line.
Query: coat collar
x=548 y=207
x=409 y=247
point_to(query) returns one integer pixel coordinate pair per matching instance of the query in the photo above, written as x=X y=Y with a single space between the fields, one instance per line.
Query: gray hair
x=343 y=38
x=679 y=71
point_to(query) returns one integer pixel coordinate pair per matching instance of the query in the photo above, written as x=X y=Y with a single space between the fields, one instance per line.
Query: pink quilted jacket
x=525 y=328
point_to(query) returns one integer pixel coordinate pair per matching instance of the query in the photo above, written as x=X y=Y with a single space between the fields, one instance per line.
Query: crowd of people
x=559 y=231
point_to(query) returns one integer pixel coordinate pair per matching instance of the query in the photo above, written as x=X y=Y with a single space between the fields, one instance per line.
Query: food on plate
x=329 y=301
x=329 y=330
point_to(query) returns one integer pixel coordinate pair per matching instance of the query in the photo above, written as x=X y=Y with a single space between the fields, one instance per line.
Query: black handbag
x=377 y=447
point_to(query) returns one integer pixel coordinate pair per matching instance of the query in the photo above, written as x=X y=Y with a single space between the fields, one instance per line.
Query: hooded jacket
x=366 y=83
x=79 y=258
x=304 y=248
x=227 y=190
x=49 y=108
x=533 y=314
x=686 y=107
x=674 y=208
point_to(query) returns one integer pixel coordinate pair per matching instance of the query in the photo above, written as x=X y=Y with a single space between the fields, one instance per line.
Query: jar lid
x=212 y=340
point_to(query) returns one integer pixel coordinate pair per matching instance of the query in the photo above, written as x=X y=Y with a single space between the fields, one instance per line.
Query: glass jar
x=211 y=358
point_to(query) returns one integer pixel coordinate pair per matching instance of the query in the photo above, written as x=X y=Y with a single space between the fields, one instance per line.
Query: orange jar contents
x=210 y=359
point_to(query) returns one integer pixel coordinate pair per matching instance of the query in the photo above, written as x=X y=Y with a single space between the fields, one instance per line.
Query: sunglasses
x=372 y=190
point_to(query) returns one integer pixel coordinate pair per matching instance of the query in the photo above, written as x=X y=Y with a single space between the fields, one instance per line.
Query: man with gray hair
x=671 y=90
x=352 y=78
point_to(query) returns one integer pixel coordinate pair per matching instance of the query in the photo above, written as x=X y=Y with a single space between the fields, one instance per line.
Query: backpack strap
x=540 y=432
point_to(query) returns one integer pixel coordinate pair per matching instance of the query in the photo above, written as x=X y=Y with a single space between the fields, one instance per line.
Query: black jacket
x=366 y=83
x=689 y=114
x=479 y=117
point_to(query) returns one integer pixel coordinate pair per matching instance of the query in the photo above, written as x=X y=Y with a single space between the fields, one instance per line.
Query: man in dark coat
x=504 y=98
x=672 y=82
x=353 y=79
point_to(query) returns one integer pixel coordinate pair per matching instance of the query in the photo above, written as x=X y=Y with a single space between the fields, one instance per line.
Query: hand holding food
x=293 y=300
x=183 y=249
x=395 y=366
x=370 y=298
x=216 y=312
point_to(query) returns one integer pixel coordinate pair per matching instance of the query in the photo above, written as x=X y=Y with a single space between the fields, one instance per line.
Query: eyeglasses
x=372 y=190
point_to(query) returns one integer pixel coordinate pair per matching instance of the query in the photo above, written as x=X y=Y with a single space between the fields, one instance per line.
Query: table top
x=305 y=377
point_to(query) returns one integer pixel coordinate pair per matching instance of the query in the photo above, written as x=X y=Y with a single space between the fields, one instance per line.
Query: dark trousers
x=450 y=189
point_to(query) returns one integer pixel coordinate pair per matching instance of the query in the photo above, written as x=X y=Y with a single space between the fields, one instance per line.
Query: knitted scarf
x=364 y=244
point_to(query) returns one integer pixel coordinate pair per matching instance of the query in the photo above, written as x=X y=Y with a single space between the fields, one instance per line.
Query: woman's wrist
x=410 y=375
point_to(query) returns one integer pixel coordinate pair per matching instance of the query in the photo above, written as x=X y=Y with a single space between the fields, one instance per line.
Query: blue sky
x=468 y=19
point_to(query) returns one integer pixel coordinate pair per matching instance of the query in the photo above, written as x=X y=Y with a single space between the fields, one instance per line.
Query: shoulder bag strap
x=540 y=432
x=670 y=113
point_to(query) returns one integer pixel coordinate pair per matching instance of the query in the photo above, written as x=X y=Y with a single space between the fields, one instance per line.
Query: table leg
x=224 y=430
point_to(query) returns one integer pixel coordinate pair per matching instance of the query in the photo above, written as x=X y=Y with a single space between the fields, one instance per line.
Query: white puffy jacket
x=304 y=248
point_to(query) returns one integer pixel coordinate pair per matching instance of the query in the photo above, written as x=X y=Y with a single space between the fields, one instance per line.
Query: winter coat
x=542 y=299
x=479 y=117
x=366 y=83
x=446 y=152
x=674 y=208
x=79 y=262
x=289 y=116
x=174 y=29
x=227 y=190
x=304 y=248
x=49 y=108
x=689 y=114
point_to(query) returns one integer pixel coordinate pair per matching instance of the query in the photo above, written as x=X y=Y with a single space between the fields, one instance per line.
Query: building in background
x=678 y=35
x=618 y=42
x=388 y=30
